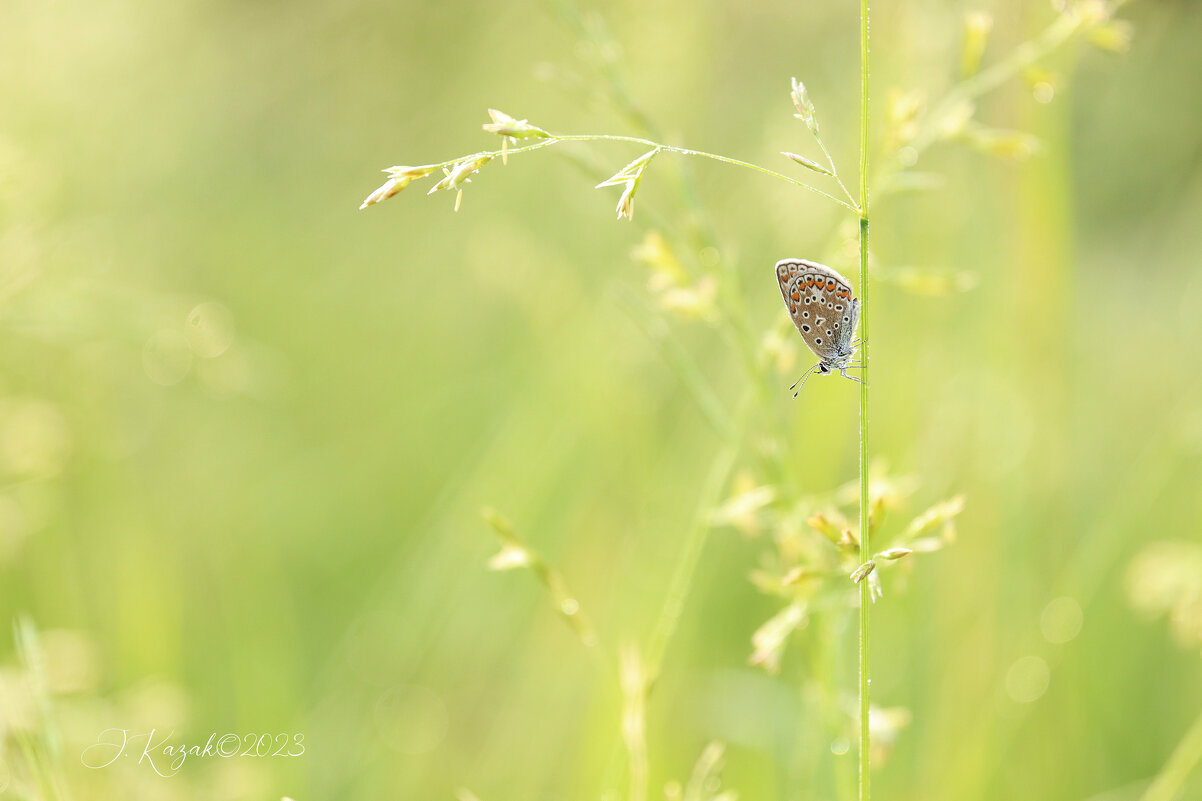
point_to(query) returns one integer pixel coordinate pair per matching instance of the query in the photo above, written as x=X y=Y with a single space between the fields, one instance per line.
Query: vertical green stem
x=865 y=548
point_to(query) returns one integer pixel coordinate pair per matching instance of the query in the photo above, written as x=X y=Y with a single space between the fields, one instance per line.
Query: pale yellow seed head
x=386 y=190
x=507 y=126
x=862 y=572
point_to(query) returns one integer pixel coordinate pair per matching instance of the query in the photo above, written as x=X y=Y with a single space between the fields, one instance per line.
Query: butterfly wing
x=847 y=330
x=821 y=305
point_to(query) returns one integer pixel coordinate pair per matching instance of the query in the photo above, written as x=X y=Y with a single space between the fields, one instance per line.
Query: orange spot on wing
x=796 y=295
x=830 y=284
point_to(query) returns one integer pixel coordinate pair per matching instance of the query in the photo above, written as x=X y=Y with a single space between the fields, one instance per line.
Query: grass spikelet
x=977 y=25
x=515 y=554
x=769 y=640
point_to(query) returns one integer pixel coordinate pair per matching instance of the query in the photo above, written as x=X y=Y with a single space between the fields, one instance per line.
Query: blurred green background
x=246 y=430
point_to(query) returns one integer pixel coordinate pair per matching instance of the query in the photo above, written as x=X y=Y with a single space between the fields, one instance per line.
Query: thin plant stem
x=555 y=139
x=684 y=365
x=834 y=171
x=686 y=566
x=1172 y=777
x=865 y=547
x=865 y=523
x=683 y=151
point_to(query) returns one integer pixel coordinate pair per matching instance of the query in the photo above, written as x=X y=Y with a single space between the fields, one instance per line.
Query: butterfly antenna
x=804 y=377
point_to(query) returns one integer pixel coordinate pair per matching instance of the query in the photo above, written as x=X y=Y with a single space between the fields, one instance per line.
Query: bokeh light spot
x=1061 y=620
x=210 y=329
x=1028 y=679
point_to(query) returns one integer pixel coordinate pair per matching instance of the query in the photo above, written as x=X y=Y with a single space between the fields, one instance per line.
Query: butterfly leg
x=843 y=373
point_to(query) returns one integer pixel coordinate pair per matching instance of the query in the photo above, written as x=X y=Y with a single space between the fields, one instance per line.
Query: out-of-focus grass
x=245 y=430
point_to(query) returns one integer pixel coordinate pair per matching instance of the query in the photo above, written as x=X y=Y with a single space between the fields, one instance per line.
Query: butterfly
x=821 y=305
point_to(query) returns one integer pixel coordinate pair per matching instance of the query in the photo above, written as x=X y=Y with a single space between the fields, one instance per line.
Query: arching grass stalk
x=865 y=528
x=459 y=170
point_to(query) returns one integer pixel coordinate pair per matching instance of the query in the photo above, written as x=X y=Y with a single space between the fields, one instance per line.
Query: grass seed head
x=827 y=528
x=805 y=162
x=386 y=190
x=505 y=125
x=629 y=177
x=411 y=172
x=862 y=572
x=977 y=25
x=769 y=640
x=1114 y=36
x=804 y=106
